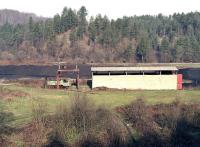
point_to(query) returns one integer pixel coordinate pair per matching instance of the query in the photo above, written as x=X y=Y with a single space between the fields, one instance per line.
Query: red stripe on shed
x=179 y=81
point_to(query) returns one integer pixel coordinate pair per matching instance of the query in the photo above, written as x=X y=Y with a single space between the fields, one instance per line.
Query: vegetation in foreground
x=105 y=118
x=20 y=99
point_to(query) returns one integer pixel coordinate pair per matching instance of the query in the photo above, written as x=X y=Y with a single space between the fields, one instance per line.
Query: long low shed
x=150 y=78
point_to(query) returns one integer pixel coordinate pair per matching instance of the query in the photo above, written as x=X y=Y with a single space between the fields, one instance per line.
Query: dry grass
x=8 y=95
x=25 y=98
x=76 y=120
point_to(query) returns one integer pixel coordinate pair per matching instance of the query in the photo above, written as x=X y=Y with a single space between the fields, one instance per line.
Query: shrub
x=173 y=124
x=85 y=124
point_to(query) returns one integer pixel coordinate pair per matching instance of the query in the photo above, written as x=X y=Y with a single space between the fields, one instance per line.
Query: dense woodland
x=73 y=36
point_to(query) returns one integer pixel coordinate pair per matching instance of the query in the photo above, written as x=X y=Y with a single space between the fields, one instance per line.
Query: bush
x=173 y=124
x=36 y=133
x=84 y=124
x=39 y=112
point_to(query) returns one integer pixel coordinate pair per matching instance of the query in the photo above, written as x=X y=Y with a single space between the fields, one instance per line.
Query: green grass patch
x=21 y=107
x=118 y=98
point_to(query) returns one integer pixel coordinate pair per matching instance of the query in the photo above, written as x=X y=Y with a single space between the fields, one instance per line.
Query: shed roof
x=157 y=68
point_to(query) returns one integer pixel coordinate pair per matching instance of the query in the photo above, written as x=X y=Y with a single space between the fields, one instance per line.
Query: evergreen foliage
x=174 y=38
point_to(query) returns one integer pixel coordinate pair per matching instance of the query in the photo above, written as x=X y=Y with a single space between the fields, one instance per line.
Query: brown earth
x=7 y=94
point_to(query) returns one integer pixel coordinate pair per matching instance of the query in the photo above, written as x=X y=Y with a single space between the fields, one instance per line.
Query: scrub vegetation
x=48 y=117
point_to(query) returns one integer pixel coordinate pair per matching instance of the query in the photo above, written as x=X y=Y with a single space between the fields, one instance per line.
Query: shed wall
x=149 y=82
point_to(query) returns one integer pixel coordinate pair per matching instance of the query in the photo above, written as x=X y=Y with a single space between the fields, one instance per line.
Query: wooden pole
x=58 y=80
x=77 y=80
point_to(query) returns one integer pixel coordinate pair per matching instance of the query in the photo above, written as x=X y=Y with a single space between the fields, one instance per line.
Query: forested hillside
x=15 y=17
x=72 y=36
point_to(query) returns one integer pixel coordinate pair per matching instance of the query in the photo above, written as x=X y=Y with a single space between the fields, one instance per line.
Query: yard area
x=20 y=100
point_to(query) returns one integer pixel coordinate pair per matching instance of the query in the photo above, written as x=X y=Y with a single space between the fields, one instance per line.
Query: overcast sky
x=112 y=8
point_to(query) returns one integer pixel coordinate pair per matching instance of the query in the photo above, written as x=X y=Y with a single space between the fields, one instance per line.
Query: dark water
x=21 y=71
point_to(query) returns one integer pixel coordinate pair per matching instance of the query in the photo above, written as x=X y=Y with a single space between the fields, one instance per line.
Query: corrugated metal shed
x=104 y=69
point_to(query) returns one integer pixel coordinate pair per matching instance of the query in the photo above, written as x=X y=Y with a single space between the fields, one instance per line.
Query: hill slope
x=15 y=17
x=71 y=37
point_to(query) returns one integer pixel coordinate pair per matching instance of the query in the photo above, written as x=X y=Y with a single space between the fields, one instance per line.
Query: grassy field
x=21 y=106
